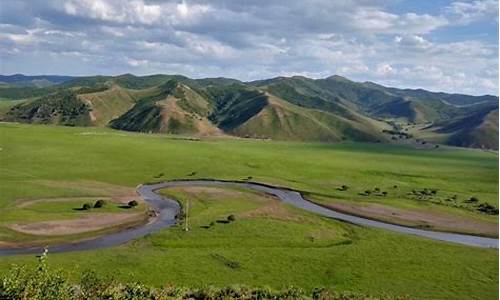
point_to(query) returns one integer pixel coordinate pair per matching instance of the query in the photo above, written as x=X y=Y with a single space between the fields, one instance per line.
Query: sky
x=449 y=46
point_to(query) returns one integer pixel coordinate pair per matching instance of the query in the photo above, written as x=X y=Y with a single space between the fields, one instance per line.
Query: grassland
x=281 y=247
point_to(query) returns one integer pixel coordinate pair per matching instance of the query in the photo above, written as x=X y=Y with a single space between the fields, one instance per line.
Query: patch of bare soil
x=223 y=192
x=274 y=209
x=115 y=193
x=27 y=203
x=209 y=191
x=424 y=219
x=88 y=223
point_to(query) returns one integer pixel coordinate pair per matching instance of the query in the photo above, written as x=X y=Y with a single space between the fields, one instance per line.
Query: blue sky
x=449 y=46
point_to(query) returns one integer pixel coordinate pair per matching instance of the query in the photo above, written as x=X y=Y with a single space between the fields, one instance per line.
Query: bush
x=99 y=203
x=343 y=188
x=472 y=200
x=231 y=218
x=35 y=284
x=133 y=203
x=487 y=209
x=86 y=206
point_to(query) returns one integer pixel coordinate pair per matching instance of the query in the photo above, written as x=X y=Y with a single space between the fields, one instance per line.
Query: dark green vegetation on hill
x=284 y=108
x=59 y=108
x=269 y=243
x=32 y=81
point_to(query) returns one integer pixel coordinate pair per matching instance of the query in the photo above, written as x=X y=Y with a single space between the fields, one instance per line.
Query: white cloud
x=377 y=21
x=362 y=40
x=467 y=12
x=385 y=69
x=415 y=41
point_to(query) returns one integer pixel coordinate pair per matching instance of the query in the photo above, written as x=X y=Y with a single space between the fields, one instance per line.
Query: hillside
x=62 y=108
x=478 y=130
x=285 y=121
x=284 y=108
x=33 y=81
x=171 y=108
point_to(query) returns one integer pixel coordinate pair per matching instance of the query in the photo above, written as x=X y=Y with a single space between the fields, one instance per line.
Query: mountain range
x=283 y=108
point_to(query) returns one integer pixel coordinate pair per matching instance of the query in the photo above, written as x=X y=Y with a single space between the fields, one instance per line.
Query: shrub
x=384 y=193
x=86 y=206
x=39 y=283
x=472 y=200
x=343 y=188
x=487 y=209
x=133 y=203
x=368 y=192
x=99 y=203
x=231 y=218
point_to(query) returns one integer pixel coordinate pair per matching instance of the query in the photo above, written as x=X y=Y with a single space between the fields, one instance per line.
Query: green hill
x=62 y=108
x=285 y=121
x=285 y=108
x=477 y=130
x=172 y=108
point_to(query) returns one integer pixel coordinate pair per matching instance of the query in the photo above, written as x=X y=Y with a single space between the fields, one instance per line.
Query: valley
x=269 y=242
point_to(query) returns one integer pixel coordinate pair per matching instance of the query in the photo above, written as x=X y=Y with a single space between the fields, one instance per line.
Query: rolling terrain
x=283 y=108
x=269 y=243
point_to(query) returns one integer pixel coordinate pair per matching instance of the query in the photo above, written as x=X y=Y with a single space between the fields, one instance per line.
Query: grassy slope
x=478 y=130
x=284 y=121
x=109 y=104
x=6 y=105
x=484 y=135
x=422 y=268
x=172 y=108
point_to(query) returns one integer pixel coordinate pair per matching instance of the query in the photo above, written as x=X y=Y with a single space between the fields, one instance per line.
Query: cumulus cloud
x=360 y=39
x=467 y=12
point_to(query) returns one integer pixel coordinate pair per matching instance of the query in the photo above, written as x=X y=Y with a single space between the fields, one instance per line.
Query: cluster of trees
x=98 y=204
x=376 y=192
x=59 y=108
x=472 y=203
x=396 y=133
x=101 y=203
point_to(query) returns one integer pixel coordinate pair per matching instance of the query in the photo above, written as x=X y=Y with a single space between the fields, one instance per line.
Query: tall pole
x=187 y=210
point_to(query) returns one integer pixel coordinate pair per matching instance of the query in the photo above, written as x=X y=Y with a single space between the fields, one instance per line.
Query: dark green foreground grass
x=270 y=252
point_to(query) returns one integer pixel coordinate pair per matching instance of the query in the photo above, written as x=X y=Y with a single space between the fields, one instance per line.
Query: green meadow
x=268 y=243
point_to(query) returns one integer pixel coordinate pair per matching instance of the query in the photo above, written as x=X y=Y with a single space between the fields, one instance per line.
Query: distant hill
x=36 y=81
x=284 y=108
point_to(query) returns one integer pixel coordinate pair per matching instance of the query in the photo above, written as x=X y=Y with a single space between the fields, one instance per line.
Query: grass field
x=281 y=247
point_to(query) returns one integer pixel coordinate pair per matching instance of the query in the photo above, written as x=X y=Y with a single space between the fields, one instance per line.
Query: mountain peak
x=338 y=78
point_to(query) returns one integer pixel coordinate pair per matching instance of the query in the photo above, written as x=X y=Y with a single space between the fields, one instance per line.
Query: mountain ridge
x=329 y=109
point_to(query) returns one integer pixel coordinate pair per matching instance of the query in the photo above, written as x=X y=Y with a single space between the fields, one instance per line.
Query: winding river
x=167 y=209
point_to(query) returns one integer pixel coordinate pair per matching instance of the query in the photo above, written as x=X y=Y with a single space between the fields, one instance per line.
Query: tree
x=231 y=218
x=86 y=206
x=99 y=203
x=133 y=203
